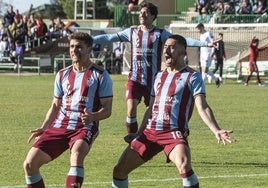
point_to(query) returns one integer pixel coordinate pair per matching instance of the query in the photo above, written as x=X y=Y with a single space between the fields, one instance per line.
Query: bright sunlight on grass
x=25 y=100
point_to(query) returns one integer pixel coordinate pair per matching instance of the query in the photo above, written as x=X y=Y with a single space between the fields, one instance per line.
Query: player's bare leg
x=34 y=160
x=181 y=157
x=75 y=176
x=128 y=161
x=131 y=121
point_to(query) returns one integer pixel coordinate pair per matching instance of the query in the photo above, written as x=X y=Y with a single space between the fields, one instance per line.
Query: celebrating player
x=174 y=93
x=82 y=96
x=146 y=46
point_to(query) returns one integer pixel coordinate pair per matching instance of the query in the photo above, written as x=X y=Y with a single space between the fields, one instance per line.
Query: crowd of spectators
x=231 y=6
x=27 y=30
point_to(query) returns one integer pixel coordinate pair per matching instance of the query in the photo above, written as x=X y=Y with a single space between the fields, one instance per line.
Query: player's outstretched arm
x=224 y=136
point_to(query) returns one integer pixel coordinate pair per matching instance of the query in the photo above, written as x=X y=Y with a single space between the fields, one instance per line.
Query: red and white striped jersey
x=174 y=99
x=79 y=90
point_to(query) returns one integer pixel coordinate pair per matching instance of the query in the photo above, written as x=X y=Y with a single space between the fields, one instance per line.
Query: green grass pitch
x=25 y=100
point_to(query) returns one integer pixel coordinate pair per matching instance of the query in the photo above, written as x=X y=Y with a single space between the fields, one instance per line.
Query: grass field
x=25 y=100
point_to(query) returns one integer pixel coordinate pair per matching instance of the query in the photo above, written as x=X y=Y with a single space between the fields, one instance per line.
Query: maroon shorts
x=54 y=141
x=135 y=90
x=151 y=142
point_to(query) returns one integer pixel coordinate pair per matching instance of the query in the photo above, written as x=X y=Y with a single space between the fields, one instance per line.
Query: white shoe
x=261 y=84
x=209 y=79
x=245 y=84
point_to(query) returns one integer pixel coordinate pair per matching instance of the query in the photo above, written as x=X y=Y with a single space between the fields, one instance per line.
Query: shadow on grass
x=212 y=164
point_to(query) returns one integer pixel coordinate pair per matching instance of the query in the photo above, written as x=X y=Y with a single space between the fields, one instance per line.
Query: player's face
x=79 y=51
x=173 y=53
x=200 y=29
x=145 y=17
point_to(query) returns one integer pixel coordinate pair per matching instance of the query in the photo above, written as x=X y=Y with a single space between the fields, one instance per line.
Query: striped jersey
x=79 y=90
x=146 y=50
x=174 y=99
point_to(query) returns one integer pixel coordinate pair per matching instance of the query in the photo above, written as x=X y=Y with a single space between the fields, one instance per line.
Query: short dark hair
x=200 y=25
x=255 y=40
x=82 y=36
x=180 y=40
x=152 y=8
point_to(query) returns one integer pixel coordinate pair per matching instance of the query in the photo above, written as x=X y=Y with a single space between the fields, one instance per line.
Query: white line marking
x=150 y=180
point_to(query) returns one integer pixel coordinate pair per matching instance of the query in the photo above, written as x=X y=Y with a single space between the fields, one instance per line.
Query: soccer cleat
x=218 y=83
x=261 y=84
x=245 y=84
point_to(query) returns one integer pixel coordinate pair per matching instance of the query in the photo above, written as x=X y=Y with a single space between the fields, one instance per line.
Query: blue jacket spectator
x=245 y=7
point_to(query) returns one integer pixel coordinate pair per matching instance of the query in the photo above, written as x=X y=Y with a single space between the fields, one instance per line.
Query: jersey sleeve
x=165 y=34
x=105 y=38
x=58 y=90
x=122 y=36
x=197 y=85
x=195 y=43
x=106 y=86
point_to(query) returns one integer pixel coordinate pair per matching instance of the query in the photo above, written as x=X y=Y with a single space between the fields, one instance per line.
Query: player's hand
x=35 y=133
x=224 y=136
x=212 y=44
x=128 y=138
x=86 y=117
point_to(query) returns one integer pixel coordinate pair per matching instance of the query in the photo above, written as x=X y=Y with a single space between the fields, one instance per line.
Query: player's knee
x=28 y=167
x=119 y=172
x=183 y=166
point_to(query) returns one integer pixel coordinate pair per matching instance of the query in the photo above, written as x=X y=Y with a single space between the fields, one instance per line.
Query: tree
x=67 y=6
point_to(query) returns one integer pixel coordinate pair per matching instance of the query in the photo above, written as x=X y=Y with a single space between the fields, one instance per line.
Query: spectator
x=131 y=4
x=17 y=55
x=18 y=15
x=96 y=50
x=245 y=7
x=218 y=13
x=118 y=57
x=59 y=28
x=14 y=27
x=202 y=6
x=229 y=8
x=20 y=37
x=9 y=16
x=3 y=31
x=51 y=28
x=24 y=31
x=260 y=9
x=3 y=46
x=31 y=23
x=10 y=46
x=41 y=30
x=52 y=25
x=220 y=8
x=105 y=57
